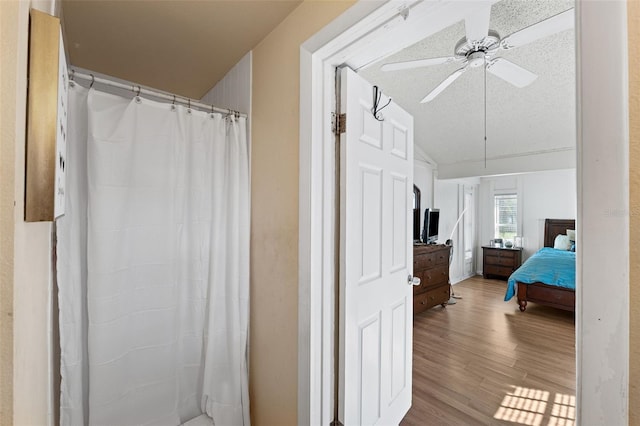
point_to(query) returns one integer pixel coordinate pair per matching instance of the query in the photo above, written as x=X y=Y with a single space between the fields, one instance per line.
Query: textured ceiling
x=179 y=46
x=537 y=118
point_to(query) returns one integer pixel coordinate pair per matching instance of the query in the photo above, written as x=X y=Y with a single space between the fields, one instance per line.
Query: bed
x=556 y=287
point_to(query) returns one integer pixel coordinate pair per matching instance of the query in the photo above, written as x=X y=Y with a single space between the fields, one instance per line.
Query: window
x=506 y=216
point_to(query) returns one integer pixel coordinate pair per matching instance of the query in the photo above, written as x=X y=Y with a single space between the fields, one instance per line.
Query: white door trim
x=602 y=316
x=602 y=148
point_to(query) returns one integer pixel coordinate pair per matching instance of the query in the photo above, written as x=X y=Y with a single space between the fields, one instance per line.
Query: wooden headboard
x=553 y=227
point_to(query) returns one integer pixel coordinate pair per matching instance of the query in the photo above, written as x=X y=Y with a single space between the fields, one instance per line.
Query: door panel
x=371 y=213
x=399 y=222
x=370 y=370
x=376 y=257
x=398 y=340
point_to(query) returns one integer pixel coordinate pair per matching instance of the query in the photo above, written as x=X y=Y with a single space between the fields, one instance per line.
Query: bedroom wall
x=449 y=199
x=541 y=195
x=546 y=195
x=634 y=201
x=423 y=179
x=446 y=198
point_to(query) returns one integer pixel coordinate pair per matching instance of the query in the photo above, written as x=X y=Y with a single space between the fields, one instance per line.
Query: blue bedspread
x=548 y=266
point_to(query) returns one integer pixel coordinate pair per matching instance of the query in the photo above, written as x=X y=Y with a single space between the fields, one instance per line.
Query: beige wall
x=633 y=10
x=26 y=359
x=274 y=215
x=8 y=55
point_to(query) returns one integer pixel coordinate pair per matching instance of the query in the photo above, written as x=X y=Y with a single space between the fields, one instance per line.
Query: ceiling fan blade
x=476 y=26
x=440 y=87
x=560 y=22
x=510 y=72
x=395 y=66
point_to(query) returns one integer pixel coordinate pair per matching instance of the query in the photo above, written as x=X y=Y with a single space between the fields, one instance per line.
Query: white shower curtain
x=153 y=264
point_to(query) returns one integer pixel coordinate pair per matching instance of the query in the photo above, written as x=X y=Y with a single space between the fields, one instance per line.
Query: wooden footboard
x=557 y=297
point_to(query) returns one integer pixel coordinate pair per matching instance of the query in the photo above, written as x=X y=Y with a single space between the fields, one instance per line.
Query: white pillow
x=571 y=233
x=562 y=242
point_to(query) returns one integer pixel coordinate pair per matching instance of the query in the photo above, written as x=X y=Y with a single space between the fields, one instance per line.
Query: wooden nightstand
x=500 y=262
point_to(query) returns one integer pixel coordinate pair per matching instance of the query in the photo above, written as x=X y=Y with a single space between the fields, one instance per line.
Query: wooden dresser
x=500 y=262
x=431 y=265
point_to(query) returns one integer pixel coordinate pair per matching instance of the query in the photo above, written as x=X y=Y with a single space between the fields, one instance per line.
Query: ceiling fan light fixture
x=476 y=59
x=490 y=43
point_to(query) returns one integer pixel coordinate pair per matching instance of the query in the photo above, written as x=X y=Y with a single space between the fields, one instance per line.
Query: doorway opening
x=343 y=41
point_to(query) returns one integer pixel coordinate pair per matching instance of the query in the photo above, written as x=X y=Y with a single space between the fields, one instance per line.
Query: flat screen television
x=431 y=224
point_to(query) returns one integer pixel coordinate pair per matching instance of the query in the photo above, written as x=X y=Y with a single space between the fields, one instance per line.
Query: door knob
x=413 y=280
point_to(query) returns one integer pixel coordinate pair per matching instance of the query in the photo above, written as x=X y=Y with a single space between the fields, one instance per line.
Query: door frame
x=473 y=214
x=602 y=162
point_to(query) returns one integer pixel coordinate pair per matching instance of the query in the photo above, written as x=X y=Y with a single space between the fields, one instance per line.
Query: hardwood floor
x=483 y=362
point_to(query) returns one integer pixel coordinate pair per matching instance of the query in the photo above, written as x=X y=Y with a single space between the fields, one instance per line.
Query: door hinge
x=338 y=123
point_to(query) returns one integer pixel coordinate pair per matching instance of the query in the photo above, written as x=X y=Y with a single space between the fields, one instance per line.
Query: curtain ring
x=138 y=99
x=188 y=105
x=93 y=79
x=173 y=103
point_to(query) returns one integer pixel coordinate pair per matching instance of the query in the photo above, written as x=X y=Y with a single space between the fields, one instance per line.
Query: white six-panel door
x=376 y=259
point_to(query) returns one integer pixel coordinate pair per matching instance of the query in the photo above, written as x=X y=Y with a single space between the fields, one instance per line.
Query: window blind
x=506 y=216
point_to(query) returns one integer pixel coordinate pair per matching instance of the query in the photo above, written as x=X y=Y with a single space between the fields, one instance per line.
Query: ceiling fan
x=481 y=44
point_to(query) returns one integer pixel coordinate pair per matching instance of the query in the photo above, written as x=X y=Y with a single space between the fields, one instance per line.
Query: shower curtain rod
x=138 y=90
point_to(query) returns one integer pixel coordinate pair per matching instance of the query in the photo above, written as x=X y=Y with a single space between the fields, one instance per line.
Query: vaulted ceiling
x=180 y=46
x=520 y=121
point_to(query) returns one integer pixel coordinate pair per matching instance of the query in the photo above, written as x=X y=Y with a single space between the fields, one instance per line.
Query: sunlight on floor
x=528 y=407
x=563 y=412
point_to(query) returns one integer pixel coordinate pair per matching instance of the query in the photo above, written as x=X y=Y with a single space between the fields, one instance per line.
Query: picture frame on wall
x=46 y=154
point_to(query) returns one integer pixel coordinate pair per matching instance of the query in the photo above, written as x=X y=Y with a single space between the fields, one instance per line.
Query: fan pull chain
x=485 y=112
